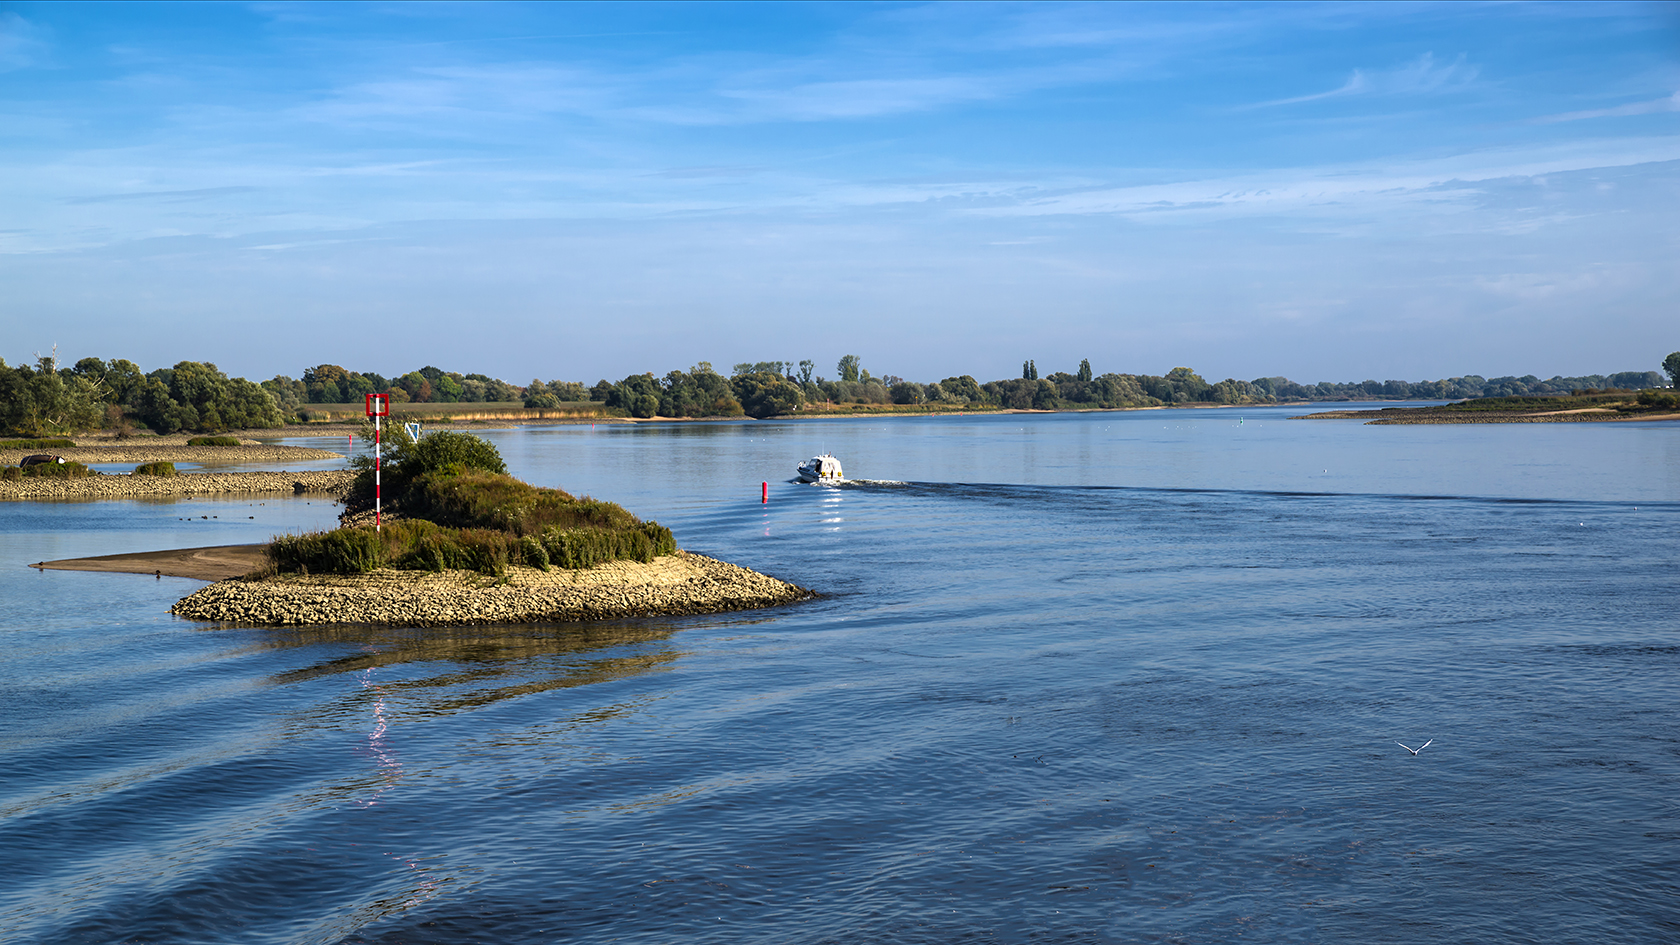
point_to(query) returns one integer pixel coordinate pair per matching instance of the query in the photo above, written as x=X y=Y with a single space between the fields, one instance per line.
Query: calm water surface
x=1127 y=677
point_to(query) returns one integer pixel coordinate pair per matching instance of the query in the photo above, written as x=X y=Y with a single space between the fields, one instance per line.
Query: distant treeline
x=48 y=399
x=768 y=388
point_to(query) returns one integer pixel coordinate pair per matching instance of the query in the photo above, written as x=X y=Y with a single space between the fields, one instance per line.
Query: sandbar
x=210 y=563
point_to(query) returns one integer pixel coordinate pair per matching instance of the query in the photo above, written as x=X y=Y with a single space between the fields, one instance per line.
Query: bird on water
x=1419 y=748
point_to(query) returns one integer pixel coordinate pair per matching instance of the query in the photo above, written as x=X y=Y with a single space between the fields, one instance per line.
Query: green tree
x=1188 y=386
x=907 y=392
x=446 y=389
x=767 y=395
x=848 y=368
x=537 y=394
x=1671 y=367
x=964 y=389
x=317 y=380
x=1085 y=370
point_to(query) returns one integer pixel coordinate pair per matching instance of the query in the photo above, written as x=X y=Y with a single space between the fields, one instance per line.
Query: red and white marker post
x=378 y=405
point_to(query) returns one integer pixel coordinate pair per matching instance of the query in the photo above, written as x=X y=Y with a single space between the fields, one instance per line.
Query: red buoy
x=764 y=494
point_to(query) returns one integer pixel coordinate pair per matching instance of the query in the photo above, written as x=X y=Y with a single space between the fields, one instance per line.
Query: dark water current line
x=1122 y=680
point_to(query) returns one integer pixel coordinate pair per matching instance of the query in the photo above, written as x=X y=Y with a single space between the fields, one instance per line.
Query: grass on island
x=459 y=509
x=213 y=441
x=156 y=469
x=46 y=471
x=59 y=443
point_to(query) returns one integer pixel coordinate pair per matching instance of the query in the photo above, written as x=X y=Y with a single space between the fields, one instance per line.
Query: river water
x=1123 y=677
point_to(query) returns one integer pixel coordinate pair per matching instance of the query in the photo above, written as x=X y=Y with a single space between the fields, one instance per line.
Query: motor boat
x=824 y=468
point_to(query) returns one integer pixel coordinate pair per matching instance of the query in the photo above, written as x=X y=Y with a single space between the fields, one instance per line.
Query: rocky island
x=465 y=543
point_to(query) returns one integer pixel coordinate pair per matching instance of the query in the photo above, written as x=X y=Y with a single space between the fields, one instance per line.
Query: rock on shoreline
x=330 y=483
x=679 y=584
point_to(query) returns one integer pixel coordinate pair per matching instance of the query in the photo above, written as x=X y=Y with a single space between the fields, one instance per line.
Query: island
x=1585 y=406
x=460 y=542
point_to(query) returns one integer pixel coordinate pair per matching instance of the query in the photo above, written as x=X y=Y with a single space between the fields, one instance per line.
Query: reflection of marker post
x=378 y=405
x=764 y=494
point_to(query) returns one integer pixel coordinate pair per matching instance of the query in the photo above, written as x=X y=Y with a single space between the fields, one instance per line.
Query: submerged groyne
x=332 y=484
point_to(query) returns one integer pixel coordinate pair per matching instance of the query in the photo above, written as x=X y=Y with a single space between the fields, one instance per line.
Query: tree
x=805 y=369
x=325 y=383
x=964 y=389
x=446 y=389
x=907 y=392
x=848 y=367
x=1187 y=386
x=1671 y=367
x=1085 y=370
x=1029 y=371
x=537 y=394
x=766 y=395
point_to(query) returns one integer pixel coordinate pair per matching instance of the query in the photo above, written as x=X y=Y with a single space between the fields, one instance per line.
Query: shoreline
x=683 y=584
x=1589 y=415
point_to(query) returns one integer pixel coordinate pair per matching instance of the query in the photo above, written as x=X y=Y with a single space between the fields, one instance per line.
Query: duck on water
x=824 y=468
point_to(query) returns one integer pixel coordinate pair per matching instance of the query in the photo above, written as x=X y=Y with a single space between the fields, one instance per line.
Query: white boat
x=824 y=468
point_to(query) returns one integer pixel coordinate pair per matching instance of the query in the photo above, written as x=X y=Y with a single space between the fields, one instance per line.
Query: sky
x=583 y=191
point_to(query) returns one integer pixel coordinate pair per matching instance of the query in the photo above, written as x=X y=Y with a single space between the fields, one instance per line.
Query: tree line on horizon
x=50 y=399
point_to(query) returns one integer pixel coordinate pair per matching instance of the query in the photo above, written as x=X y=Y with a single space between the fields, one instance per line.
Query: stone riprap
x=671 y=585
x=162 y=452
x=329 y=483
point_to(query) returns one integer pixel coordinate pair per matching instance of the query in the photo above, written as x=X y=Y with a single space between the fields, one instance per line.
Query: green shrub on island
x=405 y=460
x=419 y=545
x=461 y=510
x=213 y=441
x=156 y=469
x=46 y=471
x=59 y=443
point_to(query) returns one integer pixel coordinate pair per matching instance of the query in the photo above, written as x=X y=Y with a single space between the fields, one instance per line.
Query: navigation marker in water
x=1419 y=748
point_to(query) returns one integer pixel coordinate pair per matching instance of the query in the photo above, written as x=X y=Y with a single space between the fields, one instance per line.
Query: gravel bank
x=330 y=483
x=678 y=584
x=175 y=453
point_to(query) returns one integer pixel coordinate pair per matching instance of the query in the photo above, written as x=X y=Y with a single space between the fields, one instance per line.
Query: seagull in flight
x=1419 y=748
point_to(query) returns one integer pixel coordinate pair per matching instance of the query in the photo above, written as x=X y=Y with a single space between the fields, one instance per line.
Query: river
x=1112 y=677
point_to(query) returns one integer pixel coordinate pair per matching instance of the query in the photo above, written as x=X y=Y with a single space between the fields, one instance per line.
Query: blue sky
x=577 y=191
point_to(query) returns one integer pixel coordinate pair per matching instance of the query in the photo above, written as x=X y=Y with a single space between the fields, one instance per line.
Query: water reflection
x=390 y=769
x=831 y=509
x=447 y=670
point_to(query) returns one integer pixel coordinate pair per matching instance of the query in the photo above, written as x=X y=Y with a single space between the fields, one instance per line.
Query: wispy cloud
x=1456 y=180
x=172 y=196
x=1420 y=76
x=1668 y=104
x=22 y=43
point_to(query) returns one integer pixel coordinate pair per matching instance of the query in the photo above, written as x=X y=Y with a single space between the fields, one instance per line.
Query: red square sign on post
x=379 y=405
